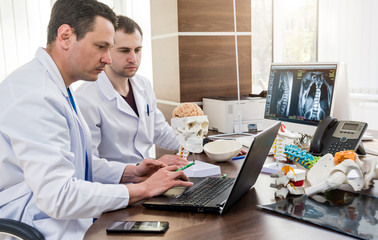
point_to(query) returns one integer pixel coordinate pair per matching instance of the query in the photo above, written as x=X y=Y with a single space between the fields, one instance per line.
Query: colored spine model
x=305 y=159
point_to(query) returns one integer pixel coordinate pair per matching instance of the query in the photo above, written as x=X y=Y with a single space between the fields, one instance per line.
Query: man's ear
x=64 y=36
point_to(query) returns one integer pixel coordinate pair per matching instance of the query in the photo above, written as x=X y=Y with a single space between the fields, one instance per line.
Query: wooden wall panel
x=213 y=15
x=204 y=65
x=208 y=68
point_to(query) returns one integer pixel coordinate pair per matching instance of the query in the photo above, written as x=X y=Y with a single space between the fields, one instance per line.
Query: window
x=282 y=31
x=261 y=43
x=295 y=30
x=324 y=31
x=23 y=28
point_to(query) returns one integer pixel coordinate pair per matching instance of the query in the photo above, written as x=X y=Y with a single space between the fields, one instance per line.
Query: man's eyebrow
x=123 y=48
x=104 y=43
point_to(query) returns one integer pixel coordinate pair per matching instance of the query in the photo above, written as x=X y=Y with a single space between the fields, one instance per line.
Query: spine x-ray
x=299 y=94
x=314 y=97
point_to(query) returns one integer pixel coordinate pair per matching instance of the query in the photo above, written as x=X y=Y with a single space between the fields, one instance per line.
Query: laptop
x=227 y=190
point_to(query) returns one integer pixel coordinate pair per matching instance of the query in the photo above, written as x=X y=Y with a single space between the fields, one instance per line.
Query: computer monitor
x=302 y=94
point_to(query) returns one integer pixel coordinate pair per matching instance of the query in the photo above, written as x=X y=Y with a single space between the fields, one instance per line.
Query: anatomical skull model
x=191 y=125
x=315 y=96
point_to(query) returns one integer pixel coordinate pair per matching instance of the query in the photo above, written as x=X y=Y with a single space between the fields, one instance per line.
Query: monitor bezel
x=335 y=90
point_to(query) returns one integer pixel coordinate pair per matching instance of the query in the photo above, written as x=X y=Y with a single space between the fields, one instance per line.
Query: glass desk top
x=353 y=214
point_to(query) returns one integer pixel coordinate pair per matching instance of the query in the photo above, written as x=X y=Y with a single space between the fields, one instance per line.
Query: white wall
x=348 y=33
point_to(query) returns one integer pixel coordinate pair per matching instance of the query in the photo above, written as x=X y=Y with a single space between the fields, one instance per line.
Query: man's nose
x=132 y=57
x=107 y=58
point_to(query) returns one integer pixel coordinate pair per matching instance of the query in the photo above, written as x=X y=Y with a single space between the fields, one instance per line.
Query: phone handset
x=320 y=135
x=333 y=136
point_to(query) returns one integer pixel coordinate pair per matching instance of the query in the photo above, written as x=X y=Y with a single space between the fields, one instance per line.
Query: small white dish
x=222 y=150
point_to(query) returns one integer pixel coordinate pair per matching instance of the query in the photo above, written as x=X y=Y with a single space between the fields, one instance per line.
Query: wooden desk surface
x=243 y=220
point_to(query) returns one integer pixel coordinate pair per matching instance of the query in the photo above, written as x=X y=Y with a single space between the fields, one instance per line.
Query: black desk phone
x=333 y=136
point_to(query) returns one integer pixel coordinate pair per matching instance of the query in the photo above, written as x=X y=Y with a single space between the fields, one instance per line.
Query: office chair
x=19 y=229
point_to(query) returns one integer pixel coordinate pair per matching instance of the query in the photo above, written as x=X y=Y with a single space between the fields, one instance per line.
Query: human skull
x=190 y=132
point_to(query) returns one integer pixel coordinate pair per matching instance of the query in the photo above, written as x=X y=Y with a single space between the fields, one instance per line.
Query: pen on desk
x=239 y=157
x=185 y=167
x=148 y=110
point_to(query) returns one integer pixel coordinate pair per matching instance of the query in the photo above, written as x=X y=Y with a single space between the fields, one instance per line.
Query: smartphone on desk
x=138 y=227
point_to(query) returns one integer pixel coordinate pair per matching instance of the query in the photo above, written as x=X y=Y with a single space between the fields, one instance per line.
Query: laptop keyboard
x=204 y=192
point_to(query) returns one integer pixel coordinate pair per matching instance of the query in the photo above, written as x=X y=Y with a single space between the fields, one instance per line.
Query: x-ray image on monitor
x=283 y=85
x=315 y=96
x=300 y=93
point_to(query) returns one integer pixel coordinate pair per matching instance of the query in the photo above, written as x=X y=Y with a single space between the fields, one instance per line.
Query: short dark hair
x=127 y=25
x=79 y=15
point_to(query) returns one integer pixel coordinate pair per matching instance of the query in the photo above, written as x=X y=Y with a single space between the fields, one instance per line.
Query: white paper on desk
x=274 y=167
x=202 y=169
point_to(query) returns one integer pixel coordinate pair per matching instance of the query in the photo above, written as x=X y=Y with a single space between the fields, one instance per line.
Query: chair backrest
x=20 y=229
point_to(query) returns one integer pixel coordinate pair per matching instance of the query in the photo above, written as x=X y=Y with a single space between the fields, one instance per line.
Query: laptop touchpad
x=174 y=192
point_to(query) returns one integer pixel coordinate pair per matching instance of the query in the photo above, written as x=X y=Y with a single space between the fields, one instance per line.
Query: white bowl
x=222 y=150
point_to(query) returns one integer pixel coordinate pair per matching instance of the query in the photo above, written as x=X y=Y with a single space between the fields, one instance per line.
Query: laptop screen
x=253 y=164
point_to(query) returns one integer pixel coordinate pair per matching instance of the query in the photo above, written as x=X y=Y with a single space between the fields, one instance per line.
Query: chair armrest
x=20 y=229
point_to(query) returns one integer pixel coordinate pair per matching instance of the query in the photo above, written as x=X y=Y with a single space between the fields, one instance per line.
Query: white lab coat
x=118 y=134
x=42 y=156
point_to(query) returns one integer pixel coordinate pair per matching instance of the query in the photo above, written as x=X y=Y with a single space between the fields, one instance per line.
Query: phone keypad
x=338 y=146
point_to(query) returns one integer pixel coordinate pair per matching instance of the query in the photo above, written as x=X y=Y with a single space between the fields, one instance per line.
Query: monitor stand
x=361 y=149
x=229 y=136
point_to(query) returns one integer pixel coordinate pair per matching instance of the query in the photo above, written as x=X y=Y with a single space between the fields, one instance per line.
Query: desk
x=242 y=221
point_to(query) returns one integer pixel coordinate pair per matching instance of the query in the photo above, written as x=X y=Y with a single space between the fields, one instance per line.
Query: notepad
x=202 y=169
x=274 y=167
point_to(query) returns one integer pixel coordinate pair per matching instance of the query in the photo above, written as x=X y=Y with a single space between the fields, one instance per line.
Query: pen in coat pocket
x=148 y=110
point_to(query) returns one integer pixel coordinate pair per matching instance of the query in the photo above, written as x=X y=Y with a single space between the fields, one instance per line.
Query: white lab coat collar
x=105 y=86
x=140 y=96
x=45 y=59
x=107 y=89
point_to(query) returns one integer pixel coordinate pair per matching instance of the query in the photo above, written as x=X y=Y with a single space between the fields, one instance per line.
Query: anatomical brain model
x=191 y=125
